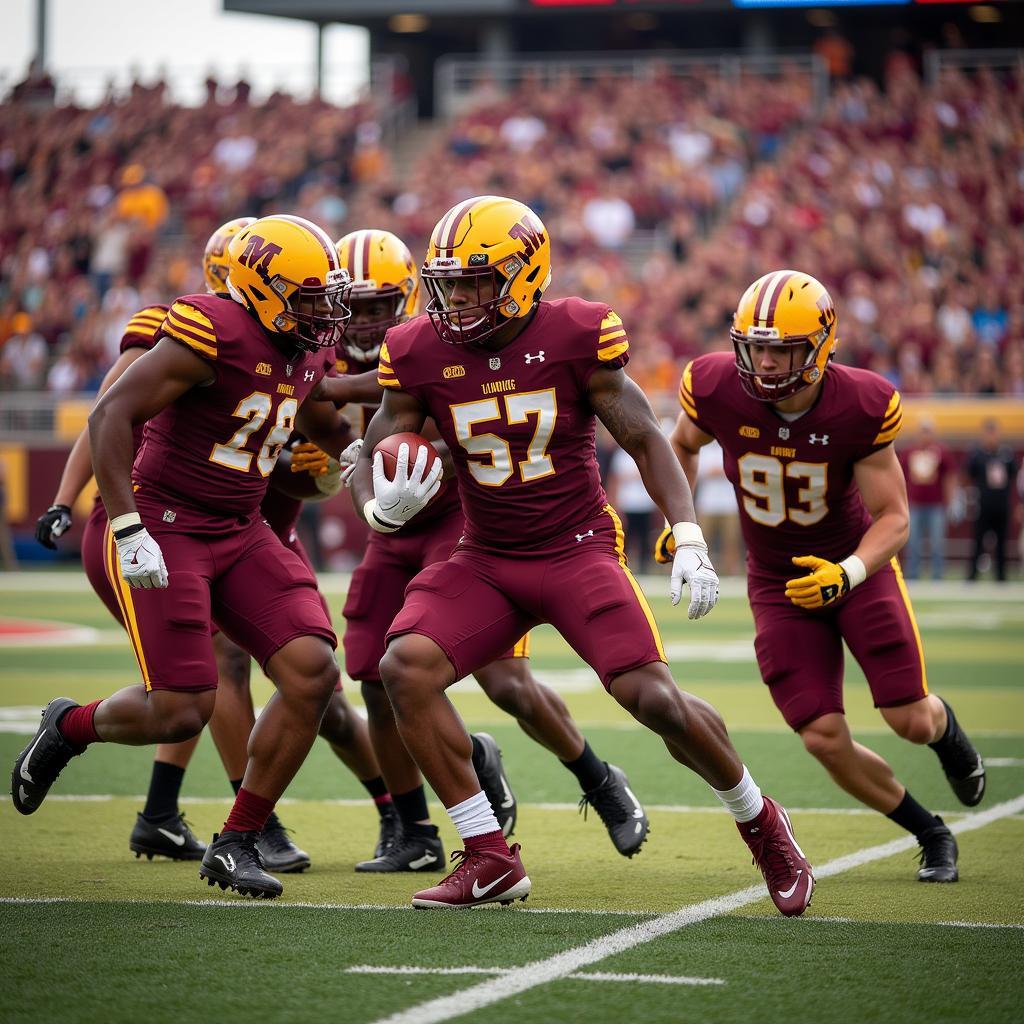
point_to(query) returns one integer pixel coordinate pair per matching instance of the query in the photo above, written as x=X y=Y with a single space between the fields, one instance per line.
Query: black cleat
x=620 y=811
x=408 y=853
x=390 y=831
x=232 y=861
x=962 y=764
x=491 y=773
x=46 y=756
x=938 y=854
x=277 y=851
x=168 y=837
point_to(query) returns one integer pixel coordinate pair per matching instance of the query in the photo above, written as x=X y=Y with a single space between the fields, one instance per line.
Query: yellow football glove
x=827 y=583
x=307 y=458
x=665 y=547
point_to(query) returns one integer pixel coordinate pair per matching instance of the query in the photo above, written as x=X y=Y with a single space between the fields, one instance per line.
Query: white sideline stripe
x=540 y=972
x=916 y=924
x=289 y=801
x=656 y=979
x=1003 y=762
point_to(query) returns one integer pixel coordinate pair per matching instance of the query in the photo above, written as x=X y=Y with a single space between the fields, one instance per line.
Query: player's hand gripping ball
x=406 y=477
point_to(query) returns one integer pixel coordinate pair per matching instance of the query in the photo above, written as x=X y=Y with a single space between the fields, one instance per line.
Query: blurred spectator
x=23 y=356
x=717 y=511
x=931 y=487
x=992 y=469
x=627 y=494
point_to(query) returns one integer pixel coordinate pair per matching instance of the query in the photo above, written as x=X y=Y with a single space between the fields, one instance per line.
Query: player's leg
x=452 y=622
x=543 y=716
x=374 y=598
x=175 y=700
x=266 y=599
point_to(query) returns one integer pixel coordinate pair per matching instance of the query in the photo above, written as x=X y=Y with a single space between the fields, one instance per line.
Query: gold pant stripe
x=913 y=622
x=123 y=593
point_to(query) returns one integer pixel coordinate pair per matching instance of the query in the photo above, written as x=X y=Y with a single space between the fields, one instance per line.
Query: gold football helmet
x=215 y=255
x=789 y=312
x=286 y=272
x=385 y=289
x=501 y=246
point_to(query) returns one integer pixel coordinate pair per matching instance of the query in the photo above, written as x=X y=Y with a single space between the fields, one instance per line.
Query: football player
x=384 y=294
x=160 y=828
x=220 y=394
x=513 y=384
x=809 y=450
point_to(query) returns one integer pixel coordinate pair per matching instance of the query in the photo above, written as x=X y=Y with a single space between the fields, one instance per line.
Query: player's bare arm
x=149 y=385
x=623 y=408
x=687 y=439
x=884 y=490
x=359 y=387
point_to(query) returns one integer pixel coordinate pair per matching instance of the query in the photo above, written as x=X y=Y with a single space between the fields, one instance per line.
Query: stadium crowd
x=664 y=196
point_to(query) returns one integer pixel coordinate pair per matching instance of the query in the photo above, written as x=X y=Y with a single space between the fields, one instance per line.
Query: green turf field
x=680 y=933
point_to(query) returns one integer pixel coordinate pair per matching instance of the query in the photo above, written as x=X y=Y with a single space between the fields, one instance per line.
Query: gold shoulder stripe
x=893 y=405
x=688 y=407
x=388 y=382
x=193 y=319
x=385 y=371
x=885 y=436
x=891 y=416
x=138 y=327
x=619 y=332
x=157 y=311
x=611 y=320
x=385 y=355
x=688 y=377
x=188 y=337
x=612 y=351
x=145 y=318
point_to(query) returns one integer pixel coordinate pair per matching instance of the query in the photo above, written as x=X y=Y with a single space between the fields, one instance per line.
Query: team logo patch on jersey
x=494 y=363
x=264 y=369
x=169 y=516
x=751 y=432
x=288 y=369
x=451 y=372
x=783 y=433
x=818 y=439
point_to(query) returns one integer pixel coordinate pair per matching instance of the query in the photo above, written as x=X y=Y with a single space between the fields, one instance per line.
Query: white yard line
x=857 y=920
x=540 y=972
x=655 y=979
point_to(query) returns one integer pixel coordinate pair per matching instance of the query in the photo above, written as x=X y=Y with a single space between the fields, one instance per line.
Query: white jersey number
x=763 y=477
x=255 y=410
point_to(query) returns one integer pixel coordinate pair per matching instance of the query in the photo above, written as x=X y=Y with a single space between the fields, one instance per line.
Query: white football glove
x=692 y=565
x=396 y=501
x=142 y=561
x=348 y=459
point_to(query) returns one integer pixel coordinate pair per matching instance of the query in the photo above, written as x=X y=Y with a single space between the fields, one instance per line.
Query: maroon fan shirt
x=518 y=422
x=214 y=447
x=794 y=480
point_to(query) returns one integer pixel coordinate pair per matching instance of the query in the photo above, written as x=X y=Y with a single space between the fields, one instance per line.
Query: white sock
x=744 y=801
x=473 y=817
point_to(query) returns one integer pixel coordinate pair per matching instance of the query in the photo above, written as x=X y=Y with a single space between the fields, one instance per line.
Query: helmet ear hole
x=532 y=275
x=257 y=294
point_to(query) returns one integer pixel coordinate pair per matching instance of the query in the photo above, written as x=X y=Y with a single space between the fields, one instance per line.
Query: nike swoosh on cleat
x=28 y=757
x=422 y=862
x=478 y=891
x=176 y=839
x=510 y=800
x=638 y=813
x=792 y=889
x=228 y=862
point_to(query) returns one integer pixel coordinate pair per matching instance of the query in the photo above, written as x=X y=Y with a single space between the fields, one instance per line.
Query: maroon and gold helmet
x=215 y=255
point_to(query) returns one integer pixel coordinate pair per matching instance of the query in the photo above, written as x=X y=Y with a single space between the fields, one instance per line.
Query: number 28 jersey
x=215 y=446
x=794 y=480
x=517 y=421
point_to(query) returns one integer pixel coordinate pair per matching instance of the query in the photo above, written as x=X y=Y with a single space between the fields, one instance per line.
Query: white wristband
x=854 y=569
x=128 y=519
x=688 y=533
x=372 y=521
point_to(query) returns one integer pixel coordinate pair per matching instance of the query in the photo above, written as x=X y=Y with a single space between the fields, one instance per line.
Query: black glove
x=54 y=522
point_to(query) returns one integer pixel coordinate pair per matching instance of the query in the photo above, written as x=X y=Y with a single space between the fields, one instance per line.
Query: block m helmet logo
x=257 y=255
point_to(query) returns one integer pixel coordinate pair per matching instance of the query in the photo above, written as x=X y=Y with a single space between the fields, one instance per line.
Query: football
x=389 y=449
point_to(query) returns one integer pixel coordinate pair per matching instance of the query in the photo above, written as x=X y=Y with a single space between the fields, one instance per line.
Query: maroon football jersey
x=214 y=447
x=518 y=422
x=794 y=480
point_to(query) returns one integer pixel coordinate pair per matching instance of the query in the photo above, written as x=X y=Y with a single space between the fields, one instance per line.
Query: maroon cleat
x=481 y=877
x=786 y=870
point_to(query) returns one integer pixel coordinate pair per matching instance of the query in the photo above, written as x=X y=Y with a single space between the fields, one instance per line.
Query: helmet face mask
x=488 y=264
x=788 y=317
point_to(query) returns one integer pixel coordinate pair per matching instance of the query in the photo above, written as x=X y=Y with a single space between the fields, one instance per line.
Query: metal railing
x=457 y=78
x=937 y=61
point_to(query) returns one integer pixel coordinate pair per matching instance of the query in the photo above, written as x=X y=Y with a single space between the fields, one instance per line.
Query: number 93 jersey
x=794 y=480
x=517 y=421
x=215 y=446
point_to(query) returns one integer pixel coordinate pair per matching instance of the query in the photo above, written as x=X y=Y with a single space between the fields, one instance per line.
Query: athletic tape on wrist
x=688 y=534
x=855 y=570
x=127 y=525
x=372 y=520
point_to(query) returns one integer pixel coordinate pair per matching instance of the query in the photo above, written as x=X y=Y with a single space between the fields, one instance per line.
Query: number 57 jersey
x=517 y=421
x=212 y=450
x=794 y=479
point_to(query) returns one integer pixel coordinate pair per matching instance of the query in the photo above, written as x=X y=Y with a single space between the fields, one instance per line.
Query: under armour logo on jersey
x=783 y=433
x=539 y=357
x=818 y=439
x=309 y=375
x=583 y=536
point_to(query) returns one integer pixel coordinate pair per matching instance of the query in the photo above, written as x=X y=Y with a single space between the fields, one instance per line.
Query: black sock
x=378 y=790
x=236 y=785
x=411 y=806
x=164 y=787
x=478 y=752
x=588 y=768
x=951 y=729
x=912 y=816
